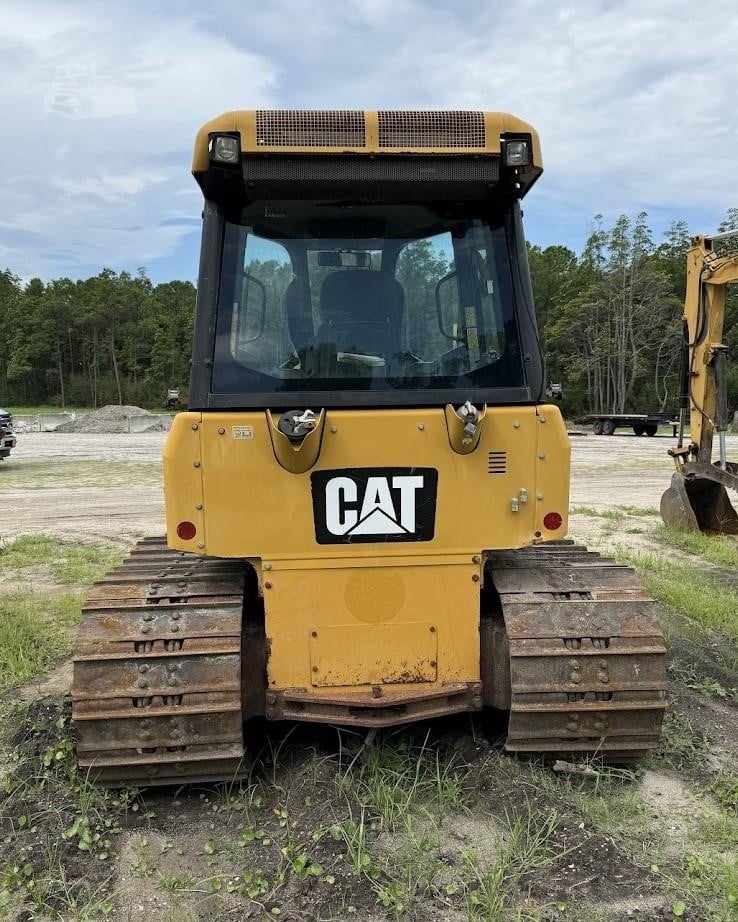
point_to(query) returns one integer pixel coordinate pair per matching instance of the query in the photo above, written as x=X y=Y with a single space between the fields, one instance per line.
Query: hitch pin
x=469 y=415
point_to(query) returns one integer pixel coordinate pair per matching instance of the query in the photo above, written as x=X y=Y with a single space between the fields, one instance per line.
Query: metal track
x=587 y=657
x=157 y=670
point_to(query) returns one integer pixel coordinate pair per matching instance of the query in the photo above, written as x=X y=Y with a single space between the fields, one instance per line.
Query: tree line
x=609 y=321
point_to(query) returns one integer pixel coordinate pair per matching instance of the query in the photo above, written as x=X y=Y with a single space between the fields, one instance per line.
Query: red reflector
x=186 y=531
x=552 y=521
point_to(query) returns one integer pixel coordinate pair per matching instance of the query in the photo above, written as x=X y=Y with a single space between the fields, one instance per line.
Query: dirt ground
x=429 y=823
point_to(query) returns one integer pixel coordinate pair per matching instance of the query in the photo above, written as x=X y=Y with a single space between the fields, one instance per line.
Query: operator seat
x=361 y=311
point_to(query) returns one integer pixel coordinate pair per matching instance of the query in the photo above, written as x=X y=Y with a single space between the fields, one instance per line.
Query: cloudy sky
x=636 y=103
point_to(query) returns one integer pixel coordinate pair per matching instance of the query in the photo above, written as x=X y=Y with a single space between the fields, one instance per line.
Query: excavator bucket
x=698 y=500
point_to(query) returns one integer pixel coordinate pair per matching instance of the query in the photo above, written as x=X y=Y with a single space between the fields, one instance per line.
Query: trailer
x=640 y=423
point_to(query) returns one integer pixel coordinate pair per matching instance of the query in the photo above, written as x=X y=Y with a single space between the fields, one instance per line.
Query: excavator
x=698 y=499
x=366 y=499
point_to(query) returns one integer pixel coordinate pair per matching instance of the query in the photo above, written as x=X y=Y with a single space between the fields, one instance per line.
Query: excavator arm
x=697 y=499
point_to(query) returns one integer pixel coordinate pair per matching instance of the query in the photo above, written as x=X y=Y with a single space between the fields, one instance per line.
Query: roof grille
x=310 y=128
x=431 y=129
x=497 y=462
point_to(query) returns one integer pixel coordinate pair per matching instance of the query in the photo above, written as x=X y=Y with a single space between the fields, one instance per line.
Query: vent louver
x=497 y=462
x=398 y=129
x=309 y=128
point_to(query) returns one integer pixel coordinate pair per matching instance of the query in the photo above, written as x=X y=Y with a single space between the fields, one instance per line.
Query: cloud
x=103 y=111
x=635 y=104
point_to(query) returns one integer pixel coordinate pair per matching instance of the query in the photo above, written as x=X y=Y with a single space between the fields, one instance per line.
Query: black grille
x=497 y=462
x=358 y=168
x=310 y=128
x=431 y=129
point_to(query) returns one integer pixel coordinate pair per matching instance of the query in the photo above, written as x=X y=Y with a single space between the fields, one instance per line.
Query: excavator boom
x=698 y=499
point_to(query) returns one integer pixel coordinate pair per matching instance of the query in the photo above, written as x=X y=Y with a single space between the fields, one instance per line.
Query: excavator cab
x=698 y=498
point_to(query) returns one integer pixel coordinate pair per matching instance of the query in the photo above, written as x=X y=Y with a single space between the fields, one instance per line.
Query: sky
x=636 y=104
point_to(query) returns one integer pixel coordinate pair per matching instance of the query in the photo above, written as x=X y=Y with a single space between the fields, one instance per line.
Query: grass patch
x=616 y=513
x=35 y=625
x=718 y=549
x=65 y=562
x=690 y=590
x=34 y=633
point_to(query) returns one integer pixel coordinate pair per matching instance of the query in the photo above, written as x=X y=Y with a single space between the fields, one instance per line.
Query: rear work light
x=517 y=153
x=225 y=148
x=186 y=531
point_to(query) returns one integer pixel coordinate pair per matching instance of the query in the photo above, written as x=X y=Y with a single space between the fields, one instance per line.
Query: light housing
x=553 y=521
x=186 y=531
x=517 y=152
x=225 y=148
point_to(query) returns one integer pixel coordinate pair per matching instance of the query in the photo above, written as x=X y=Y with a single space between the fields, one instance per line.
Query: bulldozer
x=698 y=499
x=366 y=499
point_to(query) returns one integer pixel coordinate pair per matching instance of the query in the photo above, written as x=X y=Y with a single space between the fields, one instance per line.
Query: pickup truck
x=7 y=438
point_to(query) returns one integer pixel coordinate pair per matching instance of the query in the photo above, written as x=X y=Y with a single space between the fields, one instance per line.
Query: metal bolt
x=172 y=667
x=334 y=429
x=542 y=419
x=575 y=678
x=598 y=725
x=267 y=566
x=143 y=668
x=603 y=664
x=145 y=629
x=476 y=559
x=539 y=496
x=271 y=698
x=172 y=681
x=433 y=629
x=475 y=577
x=221 y=430
x=313 y=633
x=572 y=726
x=201 y=545
x=148 y=616
x=421 y=426
x=267 y=585
x=174 y=628
x=541 y=455
x=194 y=427
x=198 y=506
x=142 y=683
x=196 y=464
x=315 y=668
x=603 y=677
x=176 y=616
x=516 y=425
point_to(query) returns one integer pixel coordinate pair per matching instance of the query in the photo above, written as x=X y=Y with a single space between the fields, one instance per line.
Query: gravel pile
x=112 y=418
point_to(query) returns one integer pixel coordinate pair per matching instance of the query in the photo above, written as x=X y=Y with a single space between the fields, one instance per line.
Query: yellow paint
x=244 y=122
x=708 y=276
x=254 y=508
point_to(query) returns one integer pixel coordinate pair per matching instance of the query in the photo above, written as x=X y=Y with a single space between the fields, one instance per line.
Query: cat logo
x=374 y=504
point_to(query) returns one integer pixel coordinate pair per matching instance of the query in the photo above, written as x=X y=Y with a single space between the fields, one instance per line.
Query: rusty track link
x=587 y=657
x=157 y=670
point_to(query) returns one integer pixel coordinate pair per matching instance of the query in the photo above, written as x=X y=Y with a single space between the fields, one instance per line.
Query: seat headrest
x=360 y=294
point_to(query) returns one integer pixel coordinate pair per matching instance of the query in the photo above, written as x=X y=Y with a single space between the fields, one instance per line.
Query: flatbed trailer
x=640 y=423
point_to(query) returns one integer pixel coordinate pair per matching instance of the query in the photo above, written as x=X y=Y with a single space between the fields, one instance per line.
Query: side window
x=259 y=328
x=425 y=269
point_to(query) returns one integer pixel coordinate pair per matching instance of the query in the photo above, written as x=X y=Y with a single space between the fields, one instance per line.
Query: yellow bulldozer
x=366 y=500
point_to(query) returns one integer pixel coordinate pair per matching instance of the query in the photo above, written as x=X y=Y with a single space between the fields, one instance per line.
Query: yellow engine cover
x=368 y=539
